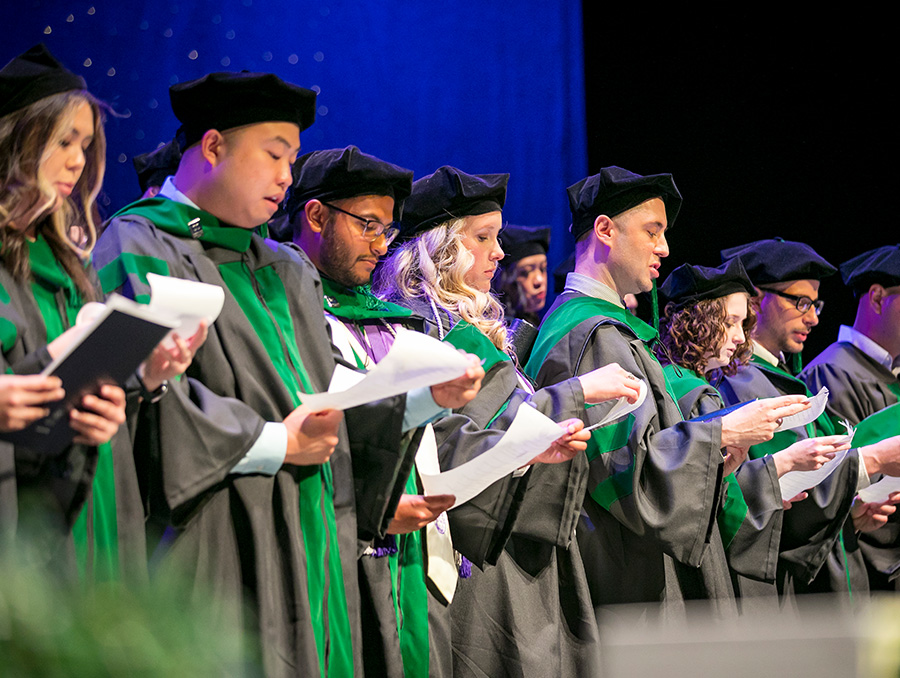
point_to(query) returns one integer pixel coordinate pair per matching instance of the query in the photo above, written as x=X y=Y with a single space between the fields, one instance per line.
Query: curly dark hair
x=689 y=335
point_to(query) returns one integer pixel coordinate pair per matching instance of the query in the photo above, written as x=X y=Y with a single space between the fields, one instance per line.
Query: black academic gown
x=530 y=614
x=859 y=387
x=752 y=550
x=59 y=489
x=647 y=532
x=478 y=529
x=239 y=536
x=817 y=531
x=37 y=492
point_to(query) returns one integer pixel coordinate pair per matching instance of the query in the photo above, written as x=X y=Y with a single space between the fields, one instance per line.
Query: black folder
x=110 y=350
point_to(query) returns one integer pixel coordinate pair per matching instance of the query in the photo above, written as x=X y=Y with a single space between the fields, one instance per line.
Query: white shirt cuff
x=268 y=452
x=421 y=409
x=863 y=480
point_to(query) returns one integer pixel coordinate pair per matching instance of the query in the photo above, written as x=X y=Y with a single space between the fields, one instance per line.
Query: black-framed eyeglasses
x=803 y=303
x=372 y=228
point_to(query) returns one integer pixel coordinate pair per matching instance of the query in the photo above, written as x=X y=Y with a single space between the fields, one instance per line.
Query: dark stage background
x=771 y=128
x=772 y=125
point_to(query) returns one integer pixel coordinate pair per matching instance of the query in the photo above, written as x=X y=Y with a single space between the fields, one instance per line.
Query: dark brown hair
x=506 y=287
x=690 y=335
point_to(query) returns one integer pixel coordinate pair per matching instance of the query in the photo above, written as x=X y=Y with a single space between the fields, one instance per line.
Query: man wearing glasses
x=345 y=232
x=787 y=276
x=341 y=211
x=862 y=373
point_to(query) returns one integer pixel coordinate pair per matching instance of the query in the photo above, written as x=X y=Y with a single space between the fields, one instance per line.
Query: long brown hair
x=695 y=332
x=27 y=137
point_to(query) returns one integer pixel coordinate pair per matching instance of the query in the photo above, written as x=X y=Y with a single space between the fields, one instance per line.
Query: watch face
x=155 y=396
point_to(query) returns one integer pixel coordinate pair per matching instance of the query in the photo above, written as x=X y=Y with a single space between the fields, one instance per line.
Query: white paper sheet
x=529 y=434
x=621 y=408
x=817 y=406
x=189 y=300
x=414 y=361
x=880 y=491
x=344 y=378
x=795 y=482
x=441 y=561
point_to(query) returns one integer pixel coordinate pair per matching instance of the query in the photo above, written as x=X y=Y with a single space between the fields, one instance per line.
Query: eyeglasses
x=372 y=228
x=803 y=303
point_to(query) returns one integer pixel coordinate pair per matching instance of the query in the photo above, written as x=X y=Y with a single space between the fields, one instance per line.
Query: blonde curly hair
x=433 y=266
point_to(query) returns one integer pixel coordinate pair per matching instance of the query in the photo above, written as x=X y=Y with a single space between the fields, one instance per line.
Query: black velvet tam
x=224 y=101
x=519 y=242
x=152 y=168
x=778 y=260
x=616 y=190
x=879 y=266
x=346 y=173
x=448 y=194
x=689 y=284
x=32 y=76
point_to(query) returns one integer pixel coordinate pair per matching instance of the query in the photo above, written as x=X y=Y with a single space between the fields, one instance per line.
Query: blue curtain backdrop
x=487 y=86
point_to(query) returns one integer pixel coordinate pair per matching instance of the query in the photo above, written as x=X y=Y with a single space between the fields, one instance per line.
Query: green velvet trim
x=613 y=489
x=96 y=546
x=410 y=596
x=358 y=303
x=8 y=330
x=613 y=436
x=115 y=274
x=733 y=512
x=876 y=427
x=104 y=561
x=469 y=338
x=269 y=315
x=569 y=315
x=173 y=217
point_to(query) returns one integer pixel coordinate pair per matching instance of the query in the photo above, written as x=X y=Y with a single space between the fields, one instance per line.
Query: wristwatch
x=153 y=396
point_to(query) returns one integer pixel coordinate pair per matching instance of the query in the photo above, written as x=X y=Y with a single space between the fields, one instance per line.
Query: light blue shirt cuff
x=421 y=409
x=268 y=452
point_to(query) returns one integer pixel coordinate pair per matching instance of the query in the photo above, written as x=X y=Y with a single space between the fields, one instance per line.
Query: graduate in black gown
x=705 y=334
x=52 y=150
x=648 y=531
x=861 y=372
x=340 y=211
x=528 y=615
x=521 y=282
x=236 y=465
x=861 y=368
x=787 y=275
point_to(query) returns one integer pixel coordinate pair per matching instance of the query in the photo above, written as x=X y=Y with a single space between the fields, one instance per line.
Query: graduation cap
x=224 y=101
x=879 y=266
x=450 y=193
x=689 y=284
x=32 y=76
x=152 y=168
x=778 y=260
x=616 y=190
x=346 y=173
x=519 y=242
